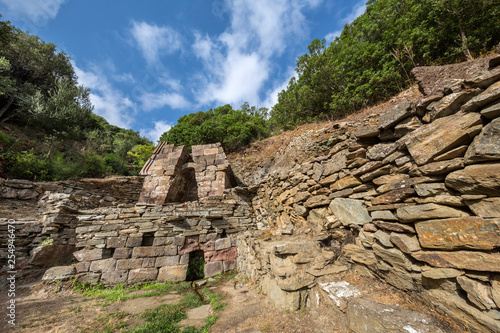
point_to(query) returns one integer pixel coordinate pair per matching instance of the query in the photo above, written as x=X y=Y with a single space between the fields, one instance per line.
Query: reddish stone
x=222 y=255
x=190 y=244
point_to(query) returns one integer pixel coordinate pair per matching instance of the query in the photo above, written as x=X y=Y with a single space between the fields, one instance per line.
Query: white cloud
x=151 y=101
x=202 y=46
x=154 y=133
x=355 y=12
x=238 y=61
x=154 y=41
x=37 y=11
x=108 y=101
x=272 y=94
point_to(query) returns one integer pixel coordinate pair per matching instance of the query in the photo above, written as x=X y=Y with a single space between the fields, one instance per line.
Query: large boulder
x=52 y=255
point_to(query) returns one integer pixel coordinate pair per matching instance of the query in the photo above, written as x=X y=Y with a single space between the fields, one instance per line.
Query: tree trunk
x=6 y=106
x=465 y=46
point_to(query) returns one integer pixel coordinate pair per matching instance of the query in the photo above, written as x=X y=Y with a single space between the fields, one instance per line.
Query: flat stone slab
x=472 y=260
x=486 y=146
x=441 y=136
x=366 y=316
x=476 y=179
x=460 y=233
x=350 y=211
x=196 y=316
x=427 y=212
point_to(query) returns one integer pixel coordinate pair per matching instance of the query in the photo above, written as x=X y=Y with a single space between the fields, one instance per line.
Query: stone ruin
x=410 y=197
x=174 y=175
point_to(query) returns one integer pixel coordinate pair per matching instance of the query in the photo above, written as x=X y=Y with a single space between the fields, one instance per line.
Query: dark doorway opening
x=196 y=267
x=184 y=187
x=148 y=239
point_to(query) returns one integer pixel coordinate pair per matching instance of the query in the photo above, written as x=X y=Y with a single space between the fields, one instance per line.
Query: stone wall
x=412 y=198
x=146 y=243
x=88 y=193
x=175 y=175
x=57 y=202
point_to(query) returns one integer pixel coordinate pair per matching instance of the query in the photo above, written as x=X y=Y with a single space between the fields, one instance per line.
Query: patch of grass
x=191 y=300
x=122 y=293
x=165 y=318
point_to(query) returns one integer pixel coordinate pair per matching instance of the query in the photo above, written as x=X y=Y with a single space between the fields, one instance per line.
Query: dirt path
x=40 y=308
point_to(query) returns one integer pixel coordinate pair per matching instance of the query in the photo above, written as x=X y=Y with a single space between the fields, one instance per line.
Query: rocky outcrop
x=414 y=199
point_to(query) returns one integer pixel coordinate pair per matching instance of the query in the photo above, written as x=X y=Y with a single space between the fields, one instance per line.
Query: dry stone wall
x=412 y=197
x=54 y=219
x=175 y=175
x=149 y=242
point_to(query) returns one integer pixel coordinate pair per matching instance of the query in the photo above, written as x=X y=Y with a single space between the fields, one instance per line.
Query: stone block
x=91 y=278
x=148 y=251
x=487 y=207
x=52 y=255
x=173 y=273
x=103 y=265
x=477 y=292
x=58 y=273
x=82 y=267
x=229 y=265
x=91 y=254
x=221 y=255
x=148 y=262
x=134 y=241
x=142 y=275
x=115 y=242
x=390 y=119
x=167 y=261
x=128 y=264
x=222 y=244
x=405 y=243
x=114 y=277
x=486 y=146
x=122 y=253
x=344 y=183
x=213 y=268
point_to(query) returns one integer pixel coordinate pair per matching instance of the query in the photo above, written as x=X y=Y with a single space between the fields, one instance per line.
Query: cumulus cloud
x=272 y=94
x=109 y=102
x=155 y=41
x=154 y=134
x=151 y=101
x=36 y=11
x=238 y=61
x=355 y=12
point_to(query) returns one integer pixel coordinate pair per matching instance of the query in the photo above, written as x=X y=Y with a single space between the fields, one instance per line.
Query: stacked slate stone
x=172 y=174
x=212 y=169
x=414 y=197
x=89 y=193
x=146 y=243
x=160 y=171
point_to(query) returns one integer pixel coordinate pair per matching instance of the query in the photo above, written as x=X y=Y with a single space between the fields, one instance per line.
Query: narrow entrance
x=196 y=267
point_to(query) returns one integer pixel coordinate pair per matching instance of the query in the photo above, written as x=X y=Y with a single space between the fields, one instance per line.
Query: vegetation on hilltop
x=232 y=128
x=372 y=58
x=48 y=130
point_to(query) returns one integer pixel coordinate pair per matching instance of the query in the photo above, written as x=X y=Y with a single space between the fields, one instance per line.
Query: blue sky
x=148 y=63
